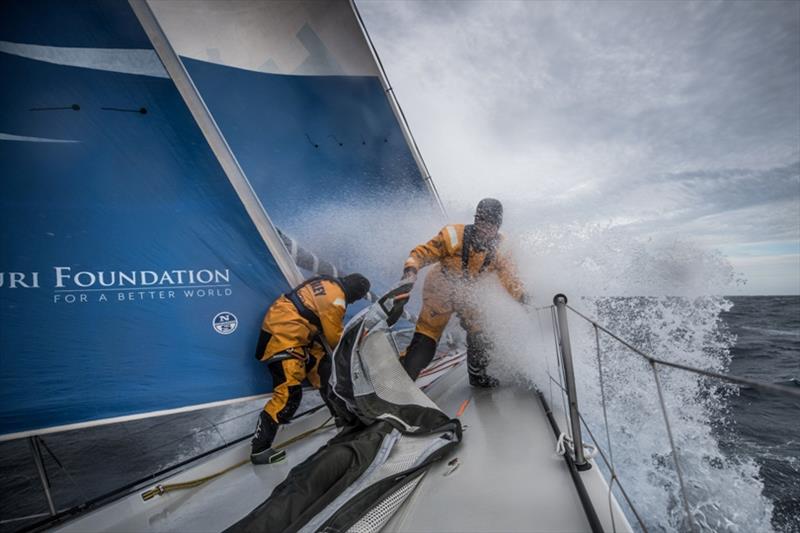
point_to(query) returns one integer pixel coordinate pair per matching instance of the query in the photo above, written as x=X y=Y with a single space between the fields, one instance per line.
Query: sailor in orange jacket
x=290 y=342
x=462 y=254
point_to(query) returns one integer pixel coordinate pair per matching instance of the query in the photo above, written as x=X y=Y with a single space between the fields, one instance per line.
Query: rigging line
x=62 y=467
x=160 y=490
x=453 y=361
x=614 y=477
x=684 y=496
x=224 y=441
x=605 y=419
x=603 y=398
x=559 y=385
x=769 y=387
x=129 y=488
x=27 y=517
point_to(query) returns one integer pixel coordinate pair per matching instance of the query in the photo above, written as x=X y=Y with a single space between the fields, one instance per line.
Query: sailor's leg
x=318 y=372
x=419 y=354
x=287 y=376
x=436 y=310
x=261 y=347
x=478 y=348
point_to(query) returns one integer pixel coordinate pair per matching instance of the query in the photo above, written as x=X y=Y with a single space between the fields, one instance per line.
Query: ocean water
x=740 y=448
x=763 y=426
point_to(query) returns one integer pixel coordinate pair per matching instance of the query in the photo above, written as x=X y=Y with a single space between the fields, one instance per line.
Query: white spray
x=662 y=298
x=670 y=309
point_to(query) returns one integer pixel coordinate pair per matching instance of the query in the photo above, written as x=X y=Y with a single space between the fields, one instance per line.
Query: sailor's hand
x=409 y=275
x=527 y=302
x=395 y=300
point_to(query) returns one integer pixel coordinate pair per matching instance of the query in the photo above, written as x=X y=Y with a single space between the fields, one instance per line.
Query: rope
x=160 y=490
x=454 y=361
x=565 y=443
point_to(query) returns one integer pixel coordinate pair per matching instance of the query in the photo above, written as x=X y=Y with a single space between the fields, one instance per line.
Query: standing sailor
x=291 y=343
x=462 y=253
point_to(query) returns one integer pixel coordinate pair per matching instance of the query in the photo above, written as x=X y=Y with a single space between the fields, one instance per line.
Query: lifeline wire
x=619 y=482
x=674 y=450
x=653 y=361
x=605 y=422
x=769 y=387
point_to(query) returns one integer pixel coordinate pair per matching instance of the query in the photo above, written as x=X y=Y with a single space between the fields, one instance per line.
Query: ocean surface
x=766 y=426
x=762 y=333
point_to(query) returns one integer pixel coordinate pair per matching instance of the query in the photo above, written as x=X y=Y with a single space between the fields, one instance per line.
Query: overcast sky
x=671 y=118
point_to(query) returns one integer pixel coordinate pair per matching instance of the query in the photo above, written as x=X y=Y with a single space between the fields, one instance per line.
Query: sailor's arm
x=507 y=272
x=425 y=254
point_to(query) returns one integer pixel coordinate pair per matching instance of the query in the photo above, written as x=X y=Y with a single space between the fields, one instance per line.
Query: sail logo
x=19 y=280
x=225 y=323
x=71 y=285
x=65 y=278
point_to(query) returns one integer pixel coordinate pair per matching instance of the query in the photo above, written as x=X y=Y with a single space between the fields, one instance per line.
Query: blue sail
x=127 y=259
x=298 y=96
x=132 y=278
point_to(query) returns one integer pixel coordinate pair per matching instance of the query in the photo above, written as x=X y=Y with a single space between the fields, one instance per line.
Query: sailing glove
x=395 y=300
x=409 y=275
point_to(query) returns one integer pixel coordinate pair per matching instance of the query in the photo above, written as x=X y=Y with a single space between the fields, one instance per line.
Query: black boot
x=477 y=361
x=261 y=451
x=419 y=354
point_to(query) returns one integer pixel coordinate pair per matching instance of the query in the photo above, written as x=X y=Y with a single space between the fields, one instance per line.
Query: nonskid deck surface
x=508 y=476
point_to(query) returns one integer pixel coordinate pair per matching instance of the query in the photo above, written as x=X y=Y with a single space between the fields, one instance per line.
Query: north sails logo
x=80 y=286
x=225 y=323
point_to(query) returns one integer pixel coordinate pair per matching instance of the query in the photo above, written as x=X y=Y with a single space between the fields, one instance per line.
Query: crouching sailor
x=462 y=254
x=291 y=344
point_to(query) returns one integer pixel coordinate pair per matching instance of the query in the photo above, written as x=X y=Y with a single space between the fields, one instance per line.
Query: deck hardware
x=452 y=465
x=560 y=302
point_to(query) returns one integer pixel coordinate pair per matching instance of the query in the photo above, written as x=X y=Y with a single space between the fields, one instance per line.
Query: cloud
x=677 y=117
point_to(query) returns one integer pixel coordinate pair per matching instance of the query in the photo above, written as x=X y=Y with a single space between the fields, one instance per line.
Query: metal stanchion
x=560 y=302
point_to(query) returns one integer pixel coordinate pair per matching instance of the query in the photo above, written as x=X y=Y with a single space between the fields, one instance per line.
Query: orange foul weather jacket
x=292 y=333
x=456 y=264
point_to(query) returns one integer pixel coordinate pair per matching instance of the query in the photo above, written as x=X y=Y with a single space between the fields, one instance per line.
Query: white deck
x=509 y=478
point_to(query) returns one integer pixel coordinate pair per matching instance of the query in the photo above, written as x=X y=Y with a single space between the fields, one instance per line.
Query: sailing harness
x=471 y=243
x=304 y=311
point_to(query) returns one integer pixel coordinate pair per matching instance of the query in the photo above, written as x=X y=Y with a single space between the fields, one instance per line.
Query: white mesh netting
x=388 y=377
x=379 y=515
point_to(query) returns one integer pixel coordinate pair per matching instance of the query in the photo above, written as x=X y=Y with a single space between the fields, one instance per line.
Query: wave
x=772 y=331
